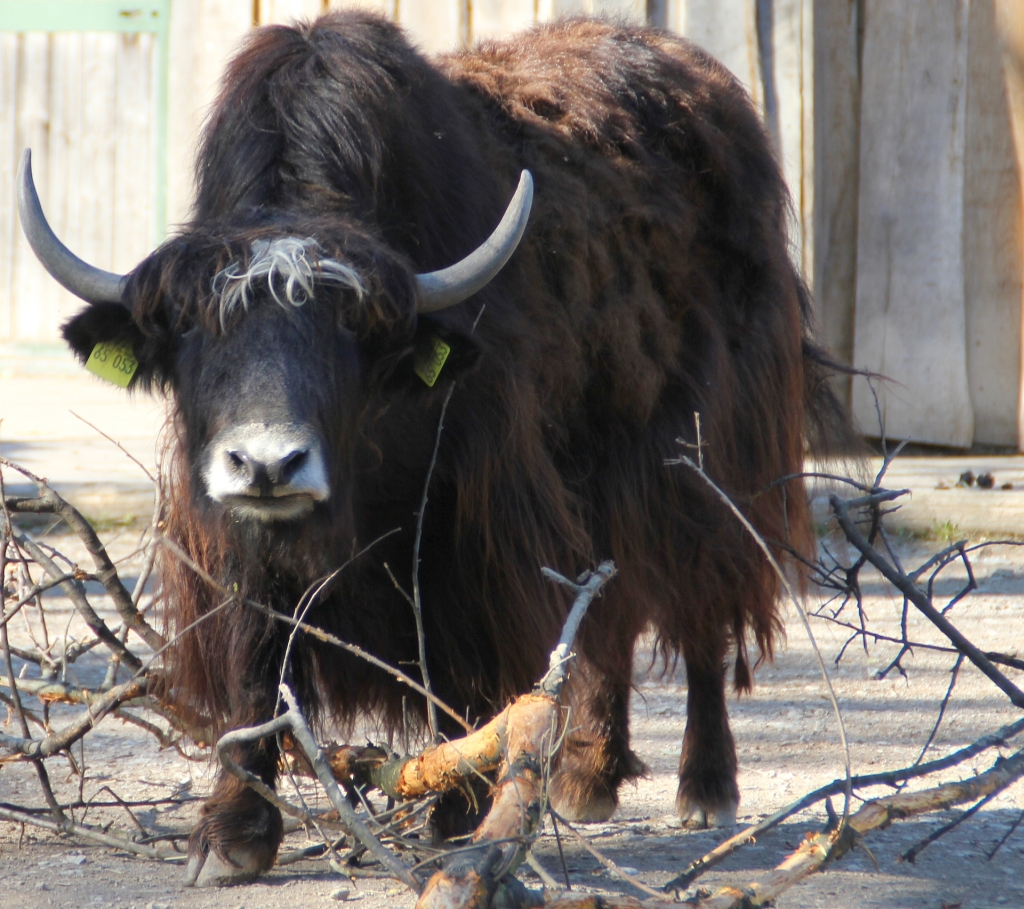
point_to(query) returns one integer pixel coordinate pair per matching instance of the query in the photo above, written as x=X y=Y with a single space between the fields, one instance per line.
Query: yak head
x=267 y=336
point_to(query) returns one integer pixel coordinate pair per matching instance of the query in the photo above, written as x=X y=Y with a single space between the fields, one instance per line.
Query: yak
x=337 y=294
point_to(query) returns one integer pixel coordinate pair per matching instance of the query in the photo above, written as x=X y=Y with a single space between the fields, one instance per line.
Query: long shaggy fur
x=653 y=283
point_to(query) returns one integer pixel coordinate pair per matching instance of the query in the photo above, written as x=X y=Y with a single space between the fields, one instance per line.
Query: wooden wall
x=899 y=127
x=85 y=104
x=918 y=225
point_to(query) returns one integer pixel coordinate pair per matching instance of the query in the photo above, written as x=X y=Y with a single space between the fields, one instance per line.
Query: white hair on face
x=291 y=261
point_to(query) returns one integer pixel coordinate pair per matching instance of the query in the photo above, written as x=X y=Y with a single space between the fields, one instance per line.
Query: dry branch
x=525 y=740
x=49 y=502
x=906 y=586
x=73 y=731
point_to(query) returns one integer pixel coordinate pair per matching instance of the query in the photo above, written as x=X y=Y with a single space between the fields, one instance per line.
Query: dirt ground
x=787 y=742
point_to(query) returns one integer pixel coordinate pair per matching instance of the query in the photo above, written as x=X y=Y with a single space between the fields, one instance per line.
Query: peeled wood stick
x=816 y=848
x=443 y=767
x=62 y=692
x=523 y=737
x=886 y=777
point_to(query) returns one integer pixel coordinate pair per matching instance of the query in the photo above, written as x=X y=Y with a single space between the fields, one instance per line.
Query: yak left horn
x=451 y=285
x=94 y=285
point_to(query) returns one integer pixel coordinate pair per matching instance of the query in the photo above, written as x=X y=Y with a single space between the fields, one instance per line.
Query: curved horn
x=94 y=285
x=451 y=285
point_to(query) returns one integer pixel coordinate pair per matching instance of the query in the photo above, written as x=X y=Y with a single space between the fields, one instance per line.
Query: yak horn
x=451 y=285
x=94 y=285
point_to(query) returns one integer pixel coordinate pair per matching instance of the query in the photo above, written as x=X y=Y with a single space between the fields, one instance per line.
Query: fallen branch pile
x=513 y=753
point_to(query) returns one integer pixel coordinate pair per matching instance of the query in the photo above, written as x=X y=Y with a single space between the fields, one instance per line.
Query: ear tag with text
x=114 y=362
x=428 y=366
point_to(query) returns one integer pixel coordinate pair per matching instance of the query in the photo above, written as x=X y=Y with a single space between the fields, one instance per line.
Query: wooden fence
x=898 y=125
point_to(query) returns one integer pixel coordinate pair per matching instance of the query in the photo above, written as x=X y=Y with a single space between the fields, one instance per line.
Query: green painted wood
x=84 y=15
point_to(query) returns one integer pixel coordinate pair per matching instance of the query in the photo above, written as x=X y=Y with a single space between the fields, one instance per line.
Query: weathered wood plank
x=97 y=148
x=387 y=8
x=65 y=91
x=910 y=315
x=993 y=237
x=284 y=12
x=498 y=18
x=438 y=26
x=1010 y=18
x=836 y=174
x=793 y=108
x=204 y=35
x=9 y=151
x=133 y=152
x=29 y=280
x=627 y=10
x=725 y=28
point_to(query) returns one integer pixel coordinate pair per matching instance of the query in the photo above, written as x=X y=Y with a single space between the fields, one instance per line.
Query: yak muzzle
x=267 y=472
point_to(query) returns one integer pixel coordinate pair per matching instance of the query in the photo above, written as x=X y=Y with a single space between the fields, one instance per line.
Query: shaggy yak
x=298 y=320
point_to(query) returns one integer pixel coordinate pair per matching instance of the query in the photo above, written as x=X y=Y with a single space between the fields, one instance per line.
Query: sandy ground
x=787 y=741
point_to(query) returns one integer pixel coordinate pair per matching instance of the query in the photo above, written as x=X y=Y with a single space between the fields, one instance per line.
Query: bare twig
x=921 y=600
x=417 y=603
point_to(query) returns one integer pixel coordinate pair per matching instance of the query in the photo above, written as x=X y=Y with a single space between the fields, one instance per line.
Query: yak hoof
x=211 y=870
x=701 y=817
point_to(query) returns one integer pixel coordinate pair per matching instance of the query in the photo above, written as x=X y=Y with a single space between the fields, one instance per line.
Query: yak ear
x=436 y=352
x=112 y=323
x=441 y=351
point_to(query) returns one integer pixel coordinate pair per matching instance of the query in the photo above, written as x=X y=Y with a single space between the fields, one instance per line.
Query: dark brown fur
x=653 y=283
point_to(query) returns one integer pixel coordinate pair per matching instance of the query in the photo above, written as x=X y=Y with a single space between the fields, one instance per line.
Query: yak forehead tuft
x=290 y=265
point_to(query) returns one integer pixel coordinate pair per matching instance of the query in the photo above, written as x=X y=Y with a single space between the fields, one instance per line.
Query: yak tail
x=828 y=426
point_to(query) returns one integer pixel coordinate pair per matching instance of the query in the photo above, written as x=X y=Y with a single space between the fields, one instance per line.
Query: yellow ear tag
x=114 y=362
x=428 y=366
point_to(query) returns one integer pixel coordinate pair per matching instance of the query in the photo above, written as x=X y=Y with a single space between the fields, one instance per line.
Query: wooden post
x=993 y=240
x=910 y=321
x=836 y=173
x=1010 y=19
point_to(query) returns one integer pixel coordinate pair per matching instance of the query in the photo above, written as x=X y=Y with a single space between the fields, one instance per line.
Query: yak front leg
x=595 y=758
x=239 y=831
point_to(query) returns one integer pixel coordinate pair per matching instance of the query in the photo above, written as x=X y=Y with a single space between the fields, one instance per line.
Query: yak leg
x=708 y=795
x=239 y=831
x=595 y=757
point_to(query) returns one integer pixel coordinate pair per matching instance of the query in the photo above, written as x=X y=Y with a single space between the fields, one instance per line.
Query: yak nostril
x=291 y=464
x=242 y=462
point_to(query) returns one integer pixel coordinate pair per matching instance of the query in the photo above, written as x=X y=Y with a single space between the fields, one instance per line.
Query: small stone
x=985 y=481
x=341 y=894
x=75 y=859
x=625 y=869
x=42 y=886
x=155 y=905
